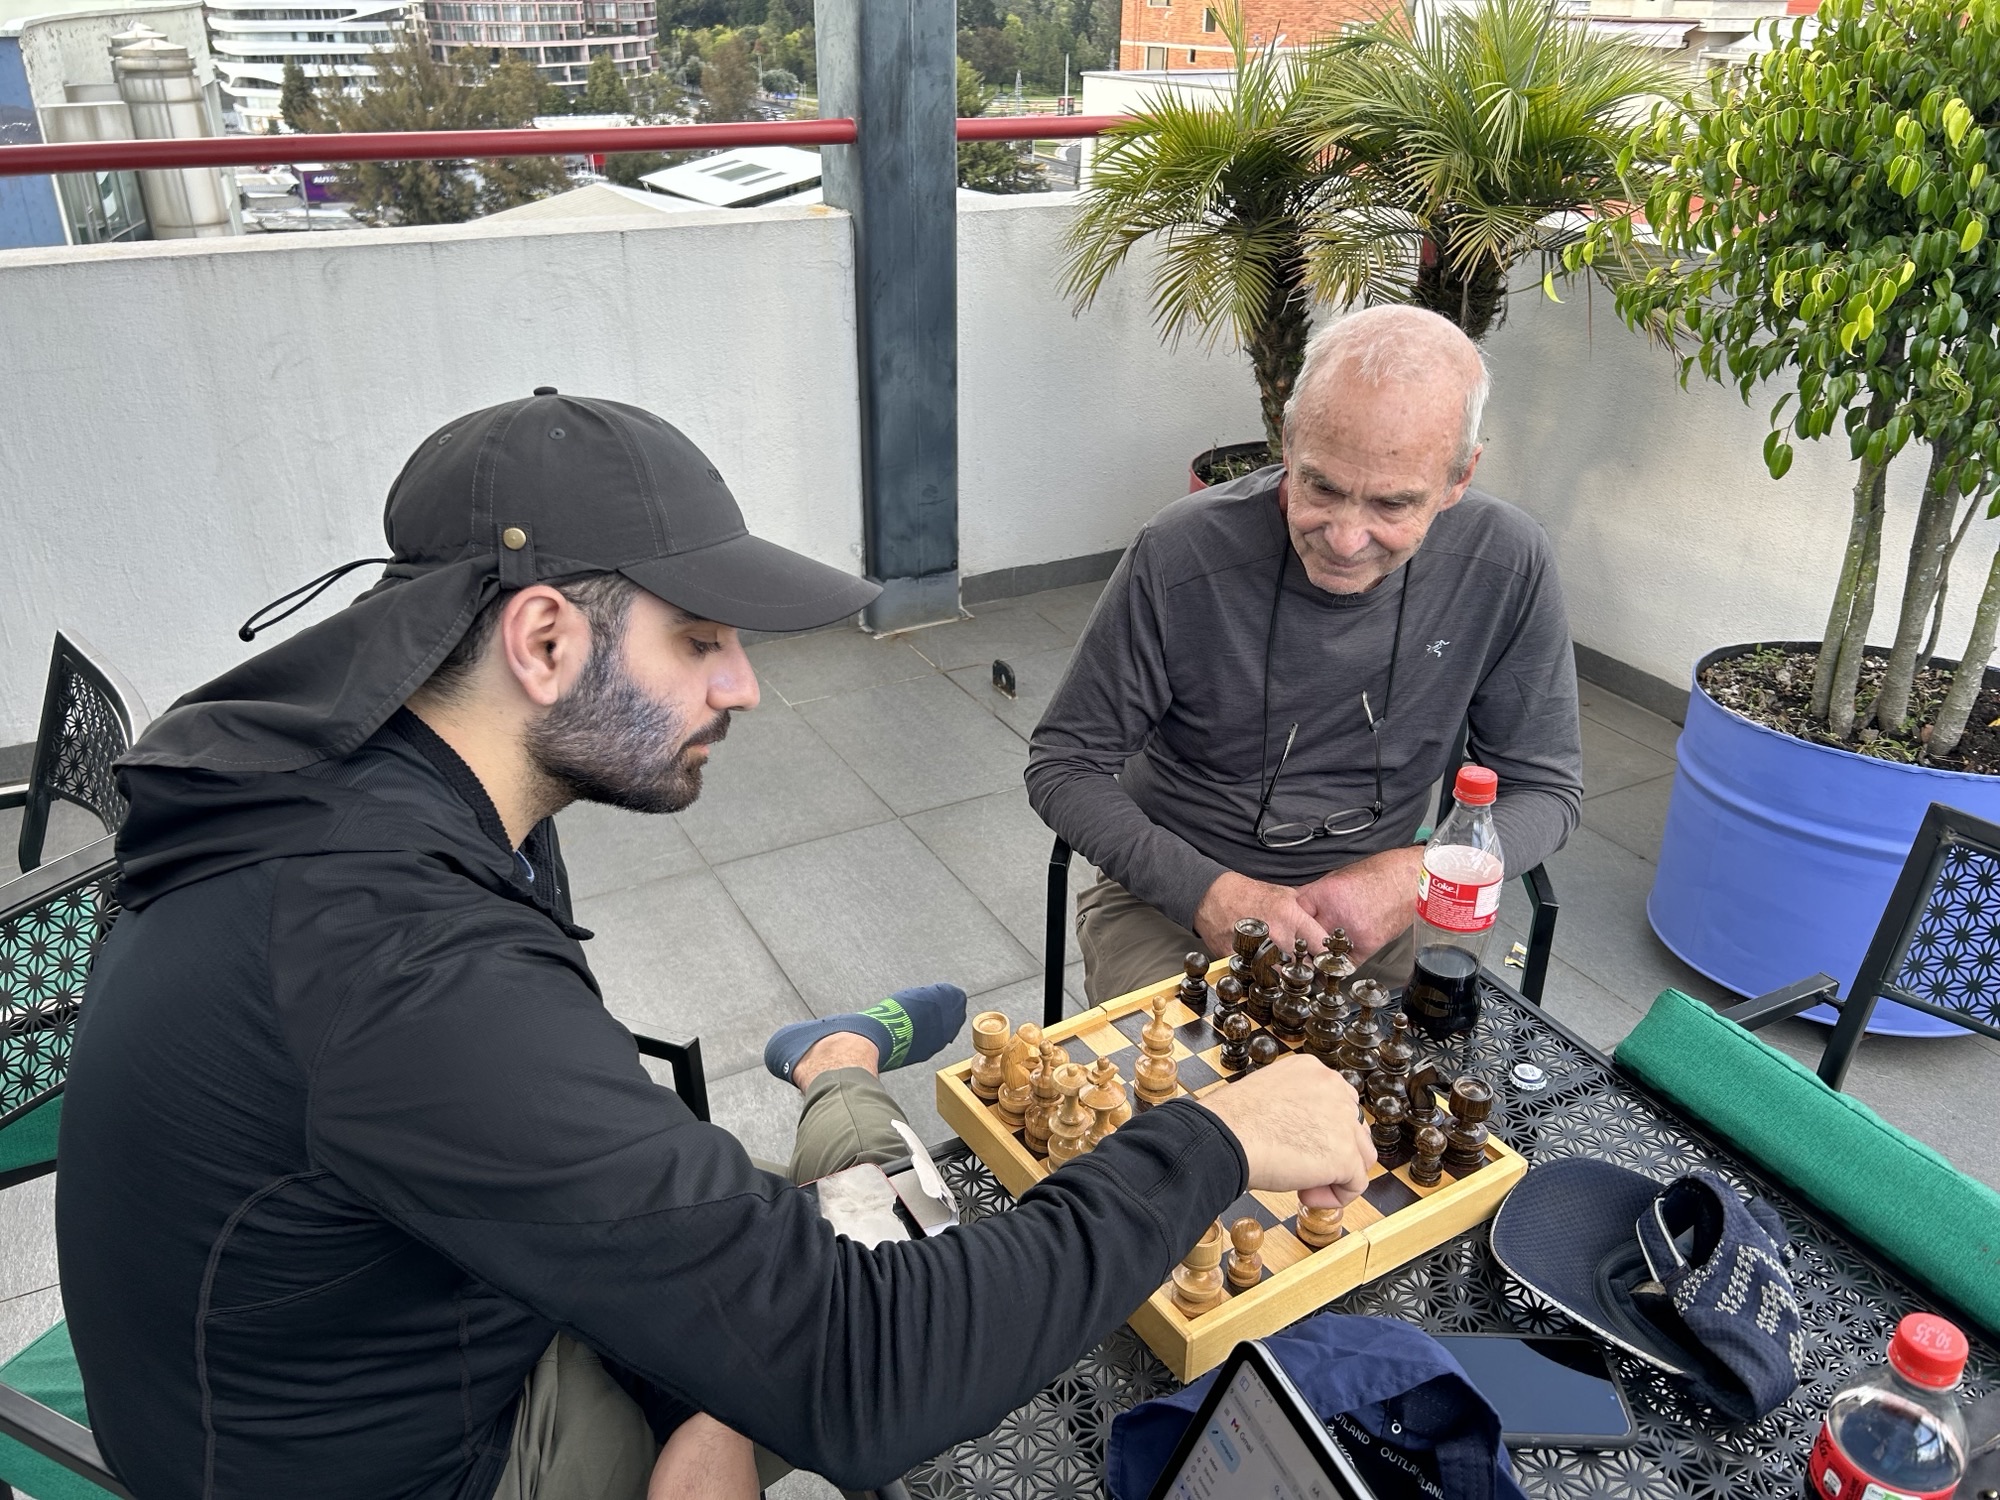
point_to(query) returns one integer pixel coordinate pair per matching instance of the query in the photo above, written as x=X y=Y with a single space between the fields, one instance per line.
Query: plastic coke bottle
x=1895 y=1433
x=1458 y=896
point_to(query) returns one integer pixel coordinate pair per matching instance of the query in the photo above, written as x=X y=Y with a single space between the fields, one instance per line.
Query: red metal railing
x=430 y=145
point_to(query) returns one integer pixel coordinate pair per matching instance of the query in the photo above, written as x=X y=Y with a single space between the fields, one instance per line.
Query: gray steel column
x=891 y=66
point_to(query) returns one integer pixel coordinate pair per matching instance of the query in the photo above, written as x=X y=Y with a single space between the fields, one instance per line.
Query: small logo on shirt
x=1436 y=648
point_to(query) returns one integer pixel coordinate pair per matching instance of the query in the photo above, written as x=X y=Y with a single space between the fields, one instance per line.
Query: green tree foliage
x=778 y=81
x=989 y=166
x=729 y=81
x=604 y=91
x=414 y=91
x=1227 y=195
x=655 y=100
x=1452 y=144
x=295 y=98
x=1033 y=37
x=1828 y=221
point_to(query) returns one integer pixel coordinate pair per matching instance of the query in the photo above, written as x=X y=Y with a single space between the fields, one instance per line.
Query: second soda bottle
x=1458 y=897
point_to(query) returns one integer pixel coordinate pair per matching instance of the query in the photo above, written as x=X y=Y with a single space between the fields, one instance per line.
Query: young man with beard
x=363 y=1193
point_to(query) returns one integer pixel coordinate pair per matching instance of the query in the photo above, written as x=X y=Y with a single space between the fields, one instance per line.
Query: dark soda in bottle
x=1896 y=1433
x=1458 y=897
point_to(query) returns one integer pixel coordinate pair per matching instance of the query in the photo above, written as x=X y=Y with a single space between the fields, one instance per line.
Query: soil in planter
x=1233 y=466
x=1773 y=687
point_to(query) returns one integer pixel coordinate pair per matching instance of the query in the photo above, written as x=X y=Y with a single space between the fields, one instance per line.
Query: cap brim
x=753 y=584
x=1564 y=1226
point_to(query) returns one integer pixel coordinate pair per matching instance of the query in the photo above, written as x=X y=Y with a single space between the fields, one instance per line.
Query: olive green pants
x=579 y=1436
x=1127 y=944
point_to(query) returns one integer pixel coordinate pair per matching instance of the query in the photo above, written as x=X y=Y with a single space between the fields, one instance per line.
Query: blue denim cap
x=1688 y=1276
x=1397 y=1402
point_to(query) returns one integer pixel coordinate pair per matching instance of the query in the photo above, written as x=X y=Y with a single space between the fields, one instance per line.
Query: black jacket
x=349 y=1136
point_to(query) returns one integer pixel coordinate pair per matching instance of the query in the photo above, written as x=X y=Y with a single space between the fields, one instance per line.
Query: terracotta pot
x=1198 y=469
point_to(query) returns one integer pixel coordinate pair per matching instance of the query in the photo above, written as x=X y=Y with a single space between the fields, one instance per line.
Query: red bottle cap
x=1475 y=786
x=1928 y=1351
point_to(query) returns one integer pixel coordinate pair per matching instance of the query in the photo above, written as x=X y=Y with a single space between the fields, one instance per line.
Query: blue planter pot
x=1779 y=854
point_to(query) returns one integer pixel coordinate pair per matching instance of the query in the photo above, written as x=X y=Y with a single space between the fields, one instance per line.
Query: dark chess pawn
x=1264 y=1050
x=1236 y=1028
x=1228 y=997
x=1429 y=1163
x=1465 y=1146
x=1193 y=992
x=1382 y=1084
x=1356 y=1081
x=1293 y=1006
x=1392 y=1149
x=1374 y=1003
x=1323 y=1029
x=1335 y=966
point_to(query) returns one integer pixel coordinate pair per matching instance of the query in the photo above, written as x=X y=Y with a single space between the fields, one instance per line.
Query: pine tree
x=604 y=91
x=295 y=98
x=988 y=166
x=729 y=81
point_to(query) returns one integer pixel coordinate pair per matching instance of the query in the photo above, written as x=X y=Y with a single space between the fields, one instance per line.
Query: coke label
x=1833 y=1476
x=1460 y=904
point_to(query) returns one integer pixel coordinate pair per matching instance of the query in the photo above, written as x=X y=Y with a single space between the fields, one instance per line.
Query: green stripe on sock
x=901 y=1029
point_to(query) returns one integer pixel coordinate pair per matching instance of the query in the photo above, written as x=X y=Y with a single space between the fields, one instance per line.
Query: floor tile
x=1066 y=609
x=1035 y=679
x=25 y=1319
x=852 y=917
x=759 y=1110
x=1633 y=817
x=805 y=667
x=28 y=1237
x=999 y=849
x=801 y=1486
x=676 y=959
x=920 y=744
x=609 y=849
x=1625 y=716
x=774 y=782
x=1611 y=761
x=1587 y=1008
x=1006 y=628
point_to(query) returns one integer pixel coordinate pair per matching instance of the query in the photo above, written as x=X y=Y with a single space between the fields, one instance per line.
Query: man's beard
x=607 y=740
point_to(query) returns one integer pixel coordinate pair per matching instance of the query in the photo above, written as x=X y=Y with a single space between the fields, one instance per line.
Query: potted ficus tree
x=1823 y=222
x=1400 y=162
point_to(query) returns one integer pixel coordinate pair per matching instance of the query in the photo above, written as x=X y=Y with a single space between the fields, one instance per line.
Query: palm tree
x=1461 y=145
x=1227 y=193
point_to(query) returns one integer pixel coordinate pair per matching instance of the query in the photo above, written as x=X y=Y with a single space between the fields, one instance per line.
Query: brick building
x=1175 y=34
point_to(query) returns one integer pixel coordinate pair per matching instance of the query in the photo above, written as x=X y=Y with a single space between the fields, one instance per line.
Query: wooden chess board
x=1394 y=1221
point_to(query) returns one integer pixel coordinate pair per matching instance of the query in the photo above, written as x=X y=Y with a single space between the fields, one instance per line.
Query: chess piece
x=1465 y=1145
x=1236 y=1028
x=1324 y=1025
x=1071 y=1122
x=1360 y=1045
x=1387 y=1130
x=1104 y=1075
x=1428 y=1165
x=1193 y=992
x=1247 y=940
x=1035 y=1119
x=1293 y=1005
x=1421 y=1091
x=1264 y=1050
x=1154 y=1076
x=1335 y=966
x=1398 y=1054
x=1318 y=1227
x=990 y=1035
x=1382 y=1084
x=1197 y=1279
x=1105 y=1099
x=1356 y=1081
x=1228 y=997
x=1374 y=1003
x=1245 y=1262
x=1017 y=1091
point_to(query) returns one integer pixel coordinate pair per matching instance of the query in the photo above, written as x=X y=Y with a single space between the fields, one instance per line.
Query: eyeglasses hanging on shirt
x=1350 y=821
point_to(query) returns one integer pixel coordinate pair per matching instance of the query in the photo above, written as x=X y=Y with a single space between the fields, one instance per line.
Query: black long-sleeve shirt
x=1153 y=753
x=349 y=1136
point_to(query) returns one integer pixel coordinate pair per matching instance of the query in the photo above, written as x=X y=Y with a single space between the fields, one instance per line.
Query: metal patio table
x=1053 y=1447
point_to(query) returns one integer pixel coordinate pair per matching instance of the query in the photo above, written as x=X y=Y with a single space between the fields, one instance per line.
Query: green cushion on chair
x=1874 y=1182
x=31 y=1139
x=46 y=1370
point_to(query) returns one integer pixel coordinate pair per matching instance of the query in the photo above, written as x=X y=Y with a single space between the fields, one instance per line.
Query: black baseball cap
x=531 y=491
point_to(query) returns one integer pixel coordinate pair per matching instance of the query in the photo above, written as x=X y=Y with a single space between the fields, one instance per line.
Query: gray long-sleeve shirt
x=1147 y=761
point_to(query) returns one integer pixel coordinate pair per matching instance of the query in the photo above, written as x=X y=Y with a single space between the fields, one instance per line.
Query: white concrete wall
x=1672 y=537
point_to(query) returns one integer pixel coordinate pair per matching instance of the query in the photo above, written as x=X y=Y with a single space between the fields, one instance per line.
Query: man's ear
x=1457 y=491
x=543 y=641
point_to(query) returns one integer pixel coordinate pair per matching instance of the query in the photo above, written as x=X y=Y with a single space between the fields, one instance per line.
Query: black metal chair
x=1936 y=949
x=90 y=716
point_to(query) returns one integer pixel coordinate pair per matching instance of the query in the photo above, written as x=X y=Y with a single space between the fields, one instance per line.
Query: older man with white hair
x=1278 y=670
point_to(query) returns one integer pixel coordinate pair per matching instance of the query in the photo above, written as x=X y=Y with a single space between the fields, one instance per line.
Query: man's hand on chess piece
x=1234 y=897
x=1372 y=898
x=1299 y=1125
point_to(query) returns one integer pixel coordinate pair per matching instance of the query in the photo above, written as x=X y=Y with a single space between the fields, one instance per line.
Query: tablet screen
x=1250 y=1448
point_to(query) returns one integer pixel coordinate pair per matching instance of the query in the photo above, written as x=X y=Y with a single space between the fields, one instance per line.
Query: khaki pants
x=1128 y=944
x=579 y=1435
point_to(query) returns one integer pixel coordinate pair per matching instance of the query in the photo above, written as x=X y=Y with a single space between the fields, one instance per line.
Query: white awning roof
x=1668 y=36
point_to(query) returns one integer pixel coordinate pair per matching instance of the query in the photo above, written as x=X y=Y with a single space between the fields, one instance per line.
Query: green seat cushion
x=31 y=1139
x=46 y=1370
x=1872 y=1181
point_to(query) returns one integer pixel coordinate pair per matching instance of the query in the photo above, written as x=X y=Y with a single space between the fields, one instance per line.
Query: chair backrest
x=90 y=716
x=1937 y=947
x=51 y=922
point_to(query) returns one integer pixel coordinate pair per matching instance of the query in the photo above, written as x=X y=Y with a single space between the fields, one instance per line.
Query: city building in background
x=87 y=73
x=560 y=37
x=1159 y=36
x=254 y=39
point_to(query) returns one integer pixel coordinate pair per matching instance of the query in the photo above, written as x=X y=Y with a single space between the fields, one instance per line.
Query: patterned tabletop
x=1053 y=1447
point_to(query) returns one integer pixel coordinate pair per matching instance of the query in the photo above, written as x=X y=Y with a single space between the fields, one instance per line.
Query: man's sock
x=908 y=1027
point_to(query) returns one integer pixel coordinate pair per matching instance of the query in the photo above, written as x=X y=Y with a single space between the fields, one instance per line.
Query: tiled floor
x=866 y=829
